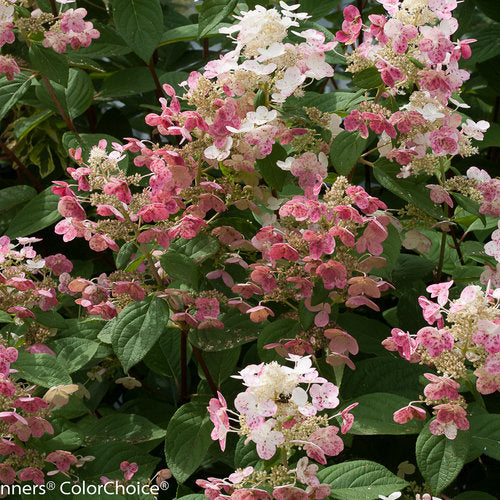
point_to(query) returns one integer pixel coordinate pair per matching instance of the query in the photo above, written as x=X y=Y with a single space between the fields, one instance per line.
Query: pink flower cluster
x=73 y=30
x=70 y=28
x=276 y=409
x=455 y=350
x=23 y=417
x=426 y=129
x=27 y=278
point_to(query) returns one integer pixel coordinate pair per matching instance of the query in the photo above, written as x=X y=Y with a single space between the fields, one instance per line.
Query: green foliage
x=440 y=459
x=188 y=439
x=44 y=205
x=137 y=328
x=346 y=150
x=360 y=480
x=140 y=23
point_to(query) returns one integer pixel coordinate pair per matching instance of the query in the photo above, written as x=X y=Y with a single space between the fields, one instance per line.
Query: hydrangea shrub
x=250 y=250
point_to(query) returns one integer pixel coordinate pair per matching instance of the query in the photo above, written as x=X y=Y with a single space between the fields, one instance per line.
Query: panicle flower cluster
x=25 y=416
x=305 y=242
x=27 y=280
x=69 y=28
x=412 y=50
x=463 y=339
x=276 y=413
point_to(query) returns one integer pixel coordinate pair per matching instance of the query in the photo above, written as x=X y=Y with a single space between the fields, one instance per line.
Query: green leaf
x=164 y=357
x=369 y=78
x=24 y=126
x=5 y=317
x=127 y=82
x=273 y=175
x=345 y=151
x=316 y=9
x=180 y=267
x=12 y=91
x=238 y=329
x=470 y=205
x=137 y=328
x=384 y=374
x=51 y=64
x=221 y=364
x=74 y=352
x=75 y=99
x=122 y=257
x=41 y=369
x=474 y=495
x=108 y=457
x=15 y=195
x=188 y=439
x=485 y=432
x=360 y=480
x=368 y=332
x=125 y=427
x=245 y=454
x=333 y=101
x=409 y=267
x=52 y=319
x=44 y=205
x=440 y=459
x=186 y=33
x=407 y=189
x=140 y=23
x=374 y=414
x=212 y=12
x=486 y=46
x=80 y=92
x=197 y=249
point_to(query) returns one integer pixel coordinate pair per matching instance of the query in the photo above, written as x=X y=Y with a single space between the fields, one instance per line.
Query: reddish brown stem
x=158 y=89
x=53 y=8
x=13 y=157
x=64 y=116
x=204 y=367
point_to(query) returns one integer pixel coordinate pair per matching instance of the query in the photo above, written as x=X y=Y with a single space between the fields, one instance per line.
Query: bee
x=284 y=398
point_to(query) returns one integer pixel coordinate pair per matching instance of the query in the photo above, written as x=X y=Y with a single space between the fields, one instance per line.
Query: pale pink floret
x=218 y=415
x=441 y=291
x=351 y=26
x=7 y=474
x=441 y=387
x=61 y=459
x=372 y=238
x=449 y=419
x=404 y=415
x=430 y=310
x=267 y=439
x=439 y=194
x=488 y=334
x=333 y=274
x=487 y=383
x=324 y=396
x=319 y=244
x=128 y=469
x=402 y=342
x=32 y=474
x=324 y=441
x=435 y=340
x=492 y=363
